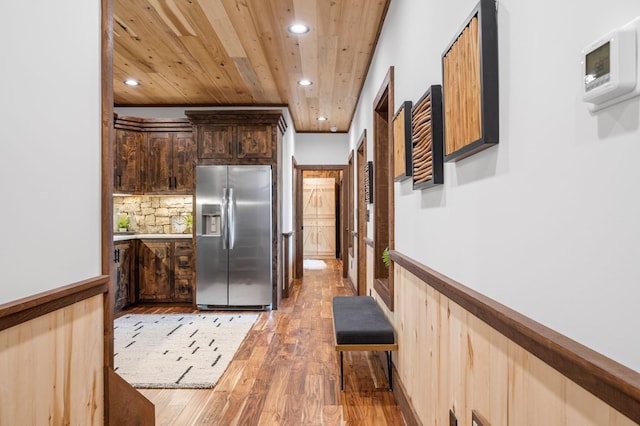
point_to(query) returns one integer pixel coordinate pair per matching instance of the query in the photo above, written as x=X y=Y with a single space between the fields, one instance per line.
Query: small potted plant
x=385 y=257
x=123 y=223
x=189 y=223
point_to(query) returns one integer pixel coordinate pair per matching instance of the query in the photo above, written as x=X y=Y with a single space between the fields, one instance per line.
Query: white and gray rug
x=313 y=264
x=177 y=350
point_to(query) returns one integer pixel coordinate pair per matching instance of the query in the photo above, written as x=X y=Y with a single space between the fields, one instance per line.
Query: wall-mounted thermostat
x=611 y=67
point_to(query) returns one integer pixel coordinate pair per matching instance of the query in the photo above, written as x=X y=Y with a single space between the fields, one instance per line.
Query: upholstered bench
x=360 y=325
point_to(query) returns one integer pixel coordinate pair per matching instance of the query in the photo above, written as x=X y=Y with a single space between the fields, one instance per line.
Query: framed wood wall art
x=470 y=80
x=402 y=142
x=426 y=139
x=368 y=182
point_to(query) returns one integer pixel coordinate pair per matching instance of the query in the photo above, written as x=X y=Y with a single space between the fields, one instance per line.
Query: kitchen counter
x=125 y=237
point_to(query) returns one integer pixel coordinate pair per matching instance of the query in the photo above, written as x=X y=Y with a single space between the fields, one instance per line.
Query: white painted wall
x=50 y=115
x=322 y=148
x=548 y=222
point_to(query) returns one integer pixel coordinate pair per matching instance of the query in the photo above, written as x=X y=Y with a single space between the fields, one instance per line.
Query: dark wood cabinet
x=216 y=142
x=170 y=163
x=255 y=141
x=127 y=161
x=165 y=271
x=154 y=156
x=124 y=253
x=183 y=271
x=237 y=137
x=154 y=271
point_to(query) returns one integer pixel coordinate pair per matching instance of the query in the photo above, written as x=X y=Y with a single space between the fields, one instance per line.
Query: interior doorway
x=322 y=202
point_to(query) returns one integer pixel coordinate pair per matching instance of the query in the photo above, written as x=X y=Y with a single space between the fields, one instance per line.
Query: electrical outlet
x=453 y=420
x=478 y=420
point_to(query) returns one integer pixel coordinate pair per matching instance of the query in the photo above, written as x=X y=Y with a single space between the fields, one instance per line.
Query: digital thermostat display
x=610 y=66
x=598 y=66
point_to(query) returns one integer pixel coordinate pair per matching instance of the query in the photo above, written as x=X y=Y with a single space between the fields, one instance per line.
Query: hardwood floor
x=287 y=371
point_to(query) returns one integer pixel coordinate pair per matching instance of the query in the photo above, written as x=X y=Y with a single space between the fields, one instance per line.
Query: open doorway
x=320 y=215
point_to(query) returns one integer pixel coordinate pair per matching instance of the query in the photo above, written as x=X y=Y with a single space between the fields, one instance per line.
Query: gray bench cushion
x=359 y=320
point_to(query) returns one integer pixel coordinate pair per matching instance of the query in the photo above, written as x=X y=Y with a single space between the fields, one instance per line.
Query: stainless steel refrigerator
x=233 y=237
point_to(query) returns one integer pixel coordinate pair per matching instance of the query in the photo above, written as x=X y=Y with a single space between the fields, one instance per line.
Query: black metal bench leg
x=389 y=365
x=341 y=373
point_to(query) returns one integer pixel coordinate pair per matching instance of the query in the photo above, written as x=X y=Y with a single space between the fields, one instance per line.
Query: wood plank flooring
x=287 y=371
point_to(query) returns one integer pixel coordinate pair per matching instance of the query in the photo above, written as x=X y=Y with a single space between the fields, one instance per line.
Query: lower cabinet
x=165 y=271
x=124 y=253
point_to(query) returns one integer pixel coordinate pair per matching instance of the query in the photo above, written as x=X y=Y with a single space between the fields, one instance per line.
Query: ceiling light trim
x=298 y=28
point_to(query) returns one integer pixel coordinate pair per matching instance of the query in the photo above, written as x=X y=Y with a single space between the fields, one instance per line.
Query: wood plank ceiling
x=239 y=52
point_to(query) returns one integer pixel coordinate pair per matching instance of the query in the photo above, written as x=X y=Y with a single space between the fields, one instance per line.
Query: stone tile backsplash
x=149 y=214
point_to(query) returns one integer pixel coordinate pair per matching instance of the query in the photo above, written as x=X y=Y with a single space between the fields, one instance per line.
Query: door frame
x=297 y=217
x=361 y=223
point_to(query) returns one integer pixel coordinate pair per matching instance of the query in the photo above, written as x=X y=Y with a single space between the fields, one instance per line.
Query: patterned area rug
x=177 y=350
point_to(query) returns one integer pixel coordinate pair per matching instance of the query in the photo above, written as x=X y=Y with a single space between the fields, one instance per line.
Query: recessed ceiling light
x=131 y=82
x=305 y=82
x=298 y=29
x=322 y=118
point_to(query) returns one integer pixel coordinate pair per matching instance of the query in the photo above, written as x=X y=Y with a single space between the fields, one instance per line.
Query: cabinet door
x=183 y=167
x=310 y=238
x=127 y=161
x=326 y=198
x=124 y=274
x=326 y=238
x=154 y=265
x=159 y=178
x=255 y=141
x=183 y=271
x=215 y=141
x=309 y=200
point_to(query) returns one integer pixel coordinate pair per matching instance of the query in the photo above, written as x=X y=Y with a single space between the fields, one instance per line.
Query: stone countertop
x=125 y=237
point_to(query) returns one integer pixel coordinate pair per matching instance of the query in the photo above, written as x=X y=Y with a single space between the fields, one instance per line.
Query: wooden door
x=310 y=238
x=127 y=158
x=326 y=238
x=319 y=207
x=308 y=199
x=154 y=266
x=183 y=162
x=325 y=198
x=159 y=160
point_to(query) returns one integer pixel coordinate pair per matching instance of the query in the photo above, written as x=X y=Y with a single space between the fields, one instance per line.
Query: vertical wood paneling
x=450 y=359
x=52 y=367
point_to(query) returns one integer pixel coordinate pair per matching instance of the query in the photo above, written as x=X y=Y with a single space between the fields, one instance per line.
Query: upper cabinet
x=170 y=163
x=127 y=161
x=237 y=137
x=154 y=156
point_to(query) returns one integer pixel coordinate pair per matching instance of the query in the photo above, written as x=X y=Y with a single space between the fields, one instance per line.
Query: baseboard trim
x=404 y=403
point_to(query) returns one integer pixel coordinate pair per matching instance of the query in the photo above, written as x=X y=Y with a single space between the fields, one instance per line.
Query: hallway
x=286 y=371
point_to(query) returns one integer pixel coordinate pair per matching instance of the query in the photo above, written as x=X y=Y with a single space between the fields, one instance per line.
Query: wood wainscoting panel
x=52 y=367
x=450 y=359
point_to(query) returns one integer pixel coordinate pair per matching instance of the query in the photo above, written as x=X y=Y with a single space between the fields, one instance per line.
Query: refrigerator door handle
x=232 y=223
x=224 y=219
